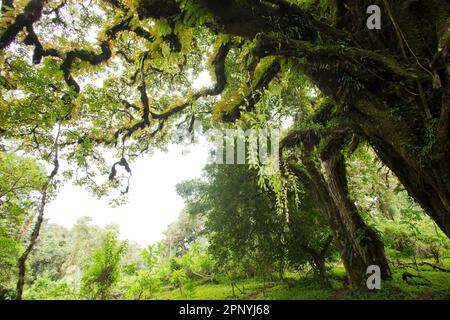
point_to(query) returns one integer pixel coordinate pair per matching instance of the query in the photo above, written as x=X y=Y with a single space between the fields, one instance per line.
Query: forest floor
x=431 y=284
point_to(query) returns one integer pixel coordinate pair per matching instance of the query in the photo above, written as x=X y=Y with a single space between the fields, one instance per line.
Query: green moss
x=306 y=287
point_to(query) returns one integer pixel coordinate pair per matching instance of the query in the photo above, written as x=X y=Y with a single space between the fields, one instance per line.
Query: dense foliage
x=89 y=86
x=234 y=247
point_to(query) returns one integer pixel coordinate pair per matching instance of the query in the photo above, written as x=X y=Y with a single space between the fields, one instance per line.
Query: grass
x=211 y=291
x=435 y=285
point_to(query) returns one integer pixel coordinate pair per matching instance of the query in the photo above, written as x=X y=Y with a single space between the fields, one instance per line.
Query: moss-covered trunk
x=365 y=246
x=358 y=244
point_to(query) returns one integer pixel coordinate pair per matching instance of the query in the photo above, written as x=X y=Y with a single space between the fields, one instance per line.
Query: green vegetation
x=362 y=179
x=222 y=247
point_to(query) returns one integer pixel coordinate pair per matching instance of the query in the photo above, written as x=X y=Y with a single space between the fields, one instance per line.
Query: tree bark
x=366 y=245
x=395 y=80
x=358 y=244
x=426 y=177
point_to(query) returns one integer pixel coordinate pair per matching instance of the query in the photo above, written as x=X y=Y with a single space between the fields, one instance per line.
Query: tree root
x=415 y=265
x=407 y=275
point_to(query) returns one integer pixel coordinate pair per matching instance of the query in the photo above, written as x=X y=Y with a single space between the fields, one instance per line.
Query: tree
x=20 y=181
x=247 y=235
x=99 y=279
x=319 y=163
x=389 y=87
x=62 y=256
x=358 y=244
x=84 y=240
x=51 y=252
x=309 y=238
x=241 y=220
x=378 y=191
x=180 y=234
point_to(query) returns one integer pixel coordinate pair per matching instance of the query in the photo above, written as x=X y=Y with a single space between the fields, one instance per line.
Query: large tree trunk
x=426 y=177
x=408 y=125
x=358 y=244
x=424 y=174
x=367 y=247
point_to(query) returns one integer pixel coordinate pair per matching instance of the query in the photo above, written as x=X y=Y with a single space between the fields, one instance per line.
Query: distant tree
x=186 y=230
x=104 y=270
x=51 y=252
x=85 y=238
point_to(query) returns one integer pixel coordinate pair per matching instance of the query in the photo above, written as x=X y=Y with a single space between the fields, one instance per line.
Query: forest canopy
x=364 y=116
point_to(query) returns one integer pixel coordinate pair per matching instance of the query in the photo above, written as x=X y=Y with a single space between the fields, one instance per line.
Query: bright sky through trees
x=153 y=202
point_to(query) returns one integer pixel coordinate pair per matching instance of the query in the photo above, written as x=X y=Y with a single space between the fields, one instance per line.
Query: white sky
x=153 y=203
